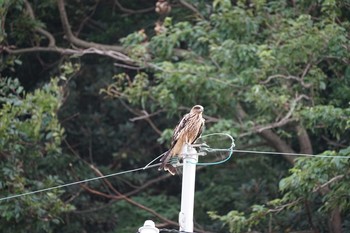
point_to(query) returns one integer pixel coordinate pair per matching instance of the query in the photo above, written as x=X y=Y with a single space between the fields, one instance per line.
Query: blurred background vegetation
x=95 y=87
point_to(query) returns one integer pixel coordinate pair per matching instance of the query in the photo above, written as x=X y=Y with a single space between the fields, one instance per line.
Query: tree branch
x=191 y=7
x=282 y=207
x=125 y=198
x=309 y=216
x=286 y=119
x=82 y=43
x=304 y=140
x=130 y=11
x=119 y=196
x=288 y=77
x=47 y=34
x=81 y=26
x=325 y=185
x=146 y=115
x=272 y=139
x=142 y=113
x=276 y=142
x=63 y=51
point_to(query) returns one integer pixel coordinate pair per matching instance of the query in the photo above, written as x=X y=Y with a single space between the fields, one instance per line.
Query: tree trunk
x=335 y=221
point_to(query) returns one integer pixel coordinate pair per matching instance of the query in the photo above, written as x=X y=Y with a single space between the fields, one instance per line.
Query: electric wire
x=231 y=150
x=77 y=182
x=292 y=154
x=207 y=149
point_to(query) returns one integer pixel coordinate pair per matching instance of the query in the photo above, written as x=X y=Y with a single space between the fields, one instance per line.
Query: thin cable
x=215 y=163
x=153 y=161
x=208 y=149
x=148 y=166
x=77 y=182
x=291 y=154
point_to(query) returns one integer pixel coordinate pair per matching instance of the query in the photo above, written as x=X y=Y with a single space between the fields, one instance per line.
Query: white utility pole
x=190 y=158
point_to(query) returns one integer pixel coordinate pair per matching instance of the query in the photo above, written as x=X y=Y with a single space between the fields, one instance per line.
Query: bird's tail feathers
x=165 y=159
x=170 y=168
x=165 y=163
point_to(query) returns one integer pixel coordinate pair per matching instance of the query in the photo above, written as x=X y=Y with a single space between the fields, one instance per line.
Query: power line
x=77 y=182
x=291 y=154
x=156 y=165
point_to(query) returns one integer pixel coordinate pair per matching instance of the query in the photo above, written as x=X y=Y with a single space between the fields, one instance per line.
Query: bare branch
x=81 y=26
x=125 y=198
x=79 y=42
x=121 y=196
x=280 y=145
x=63 y=51
x=304 y=140
x=47 y=34
x=309 y=216
x=130 y=11
x=325 y=185
x=128 y=66
x=286 y=119
x=146 y=115
x=272 y=138
x=191 y=7
x=334 y=143
x=288 y=77
x=282 y=207
x=306 y=70
x=142 y=113
x=154 y=127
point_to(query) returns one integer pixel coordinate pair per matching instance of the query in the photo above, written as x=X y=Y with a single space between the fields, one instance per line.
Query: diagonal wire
x=76 y=182
x=231 y=150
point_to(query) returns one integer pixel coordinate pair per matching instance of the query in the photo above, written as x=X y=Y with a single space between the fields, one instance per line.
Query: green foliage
x=241 y=55
x=335 y=119
x=318 y=182
x=166 y=205
x=235 y=220
x=309 y=176
x=285 y=66
x=275 y=68
x=31 y=157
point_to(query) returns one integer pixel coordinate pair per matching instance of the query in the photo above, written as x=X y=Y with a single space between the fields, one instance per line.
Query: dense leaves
x=31 y=157
x=274 y=74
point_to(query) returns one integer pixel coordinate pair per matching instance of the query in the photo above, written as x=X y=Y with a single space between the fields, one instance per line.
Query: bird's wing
x=179 y=128
x=200 y=131
x=176 y=135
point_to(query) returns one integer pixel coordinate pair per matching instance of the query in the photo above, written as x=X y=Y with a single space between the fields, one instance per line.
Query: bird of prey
x=187 y=132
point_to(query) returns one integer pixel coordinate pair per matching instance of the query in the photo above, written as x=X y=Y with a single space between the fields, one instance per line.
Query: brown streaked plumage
x=187 y=131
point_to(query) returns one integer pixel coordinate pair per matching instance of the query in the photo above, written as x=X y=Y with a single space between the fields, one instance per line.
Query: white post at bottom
x=148 y=227
x=190 y=159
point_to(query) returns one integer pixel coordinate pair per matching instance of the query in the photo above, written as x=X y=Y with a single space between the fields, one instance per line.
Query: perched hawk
x=186 y=132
